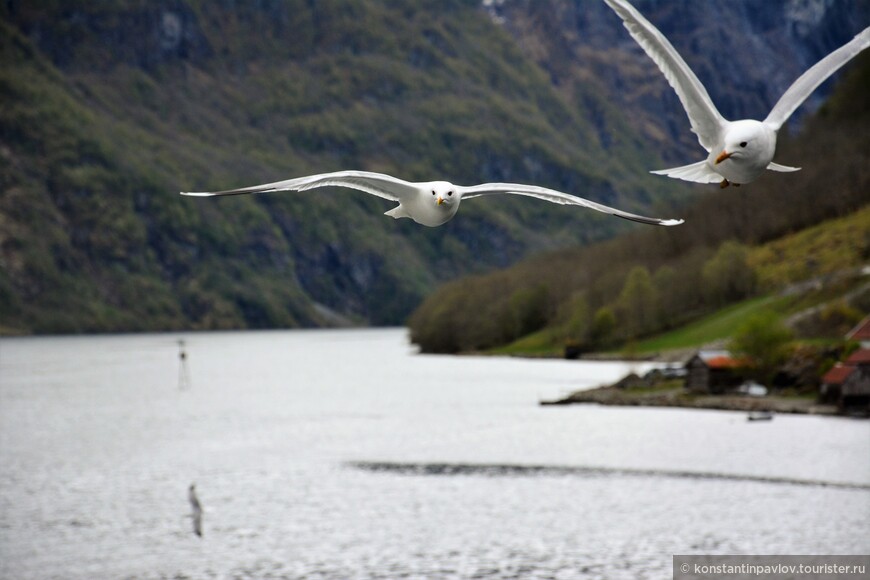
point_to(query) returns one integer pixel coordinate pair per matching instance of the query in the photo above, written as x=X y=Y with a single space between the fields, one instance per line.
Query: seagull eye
x=449 y=193
x=743 y=144
x=433 y=192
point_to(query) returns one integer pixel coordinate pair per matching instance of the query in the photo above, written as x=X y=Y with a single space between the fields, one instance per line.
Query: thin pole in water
x=183 y=372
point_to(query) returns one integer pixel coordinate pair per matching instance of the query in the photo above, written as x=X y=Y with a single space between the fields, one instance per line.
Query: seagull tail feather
x=397 y=212
x=699 y=172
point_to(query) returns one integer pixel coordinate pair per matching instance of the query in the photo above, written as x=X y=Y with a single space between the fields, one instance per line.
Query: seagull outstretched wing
x=379 y=184
x=802 y=88
x=707 y=122
x=554 y=196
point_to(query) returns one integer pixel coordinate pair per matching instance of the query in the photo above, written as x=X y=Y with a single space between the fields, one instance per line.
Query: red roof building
x=859 y=357
x=713 y=372
x=724 y=362
x=848 y=383
x=861 y=333
x=837 y=375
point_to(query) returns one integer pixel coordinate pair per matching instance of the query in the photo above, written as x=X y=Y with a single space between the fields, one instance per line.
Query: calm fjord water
x=98 y=446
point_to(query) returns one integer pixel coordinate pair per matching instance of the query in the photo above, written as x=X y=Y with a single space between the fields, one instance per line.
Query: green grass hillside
x=821 y=250
x=718 y=326
x=828 y=252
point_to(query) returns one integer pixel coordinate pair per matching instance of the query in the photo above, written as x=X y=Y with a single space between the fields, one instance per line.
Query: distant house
x=847 y=384
x=855 y=392
x=859 y=358
x=832 y=383
x=713 y=372
x=861 y=333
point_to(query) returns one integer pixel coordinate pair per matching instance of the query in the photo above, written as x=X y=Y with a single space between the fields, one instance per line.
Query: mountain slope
x=115 y=107
x=111 y=108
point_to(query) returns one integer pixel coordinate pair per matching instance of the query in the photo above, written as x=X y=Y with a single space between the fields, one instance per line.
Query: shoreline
x=677 y=397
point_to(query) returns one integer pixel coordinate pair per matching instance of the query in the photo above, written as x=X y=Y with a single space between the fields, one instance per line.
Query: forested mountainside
x=649 y=281
x=110 y=108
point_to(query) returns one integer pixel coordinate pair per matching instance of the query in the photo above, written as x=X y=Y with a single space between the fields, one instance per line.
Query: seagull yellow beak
x=722 y=157
x=440 y=200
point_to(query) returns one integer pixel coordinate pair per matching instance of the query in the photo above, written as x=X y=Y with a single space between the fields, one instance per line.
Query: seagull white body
x=739 y=151
x=429 y=203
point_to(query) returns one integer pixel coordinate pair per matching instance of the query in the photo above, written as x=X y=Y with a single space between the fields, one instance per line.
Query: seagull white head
x=435 y=203
x=747 y=140
x=444 y=194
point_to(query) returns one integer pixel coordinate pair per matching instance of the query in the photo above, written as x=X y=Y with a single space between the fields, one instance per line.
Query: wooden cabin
x=847 y=384
x=855 y=392
x=832 y=383
x=713 y=372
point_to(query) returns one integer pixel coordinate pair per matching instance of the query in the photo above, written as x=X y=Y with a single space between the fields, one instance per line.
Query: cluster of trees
x=649 y=302
x=765 y=342
x=657 y=278
x=612 y=308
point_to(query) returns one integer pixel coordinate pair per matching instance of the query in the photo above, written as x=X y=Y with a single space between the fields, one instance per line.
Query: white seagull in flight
x=429 y=203
x=739 y=151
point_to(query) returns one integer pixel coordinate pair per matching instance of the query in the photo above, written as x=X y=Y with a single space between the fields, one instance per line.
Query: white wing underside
x=699 y=172
x=558 y=197
x=378 y=184
x=802 y=88
x=707 y=123
x=781 y=168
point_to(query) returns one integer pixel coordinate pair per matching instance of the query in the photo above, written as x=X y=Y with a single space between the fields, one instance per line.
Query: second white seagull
x=738 y=151
x=429 y=203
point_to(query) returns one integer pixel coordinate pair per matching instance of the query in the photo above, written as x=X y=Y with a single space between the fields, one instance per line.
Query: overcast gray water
x=342 y=454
